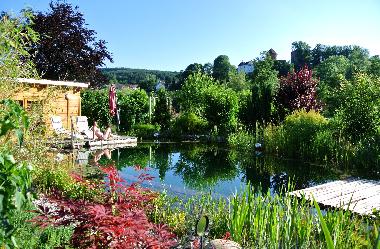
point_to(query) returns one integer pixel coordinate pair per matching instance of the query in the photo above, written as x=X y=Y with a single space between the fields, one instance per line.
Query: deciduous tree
x=161 y=115
x=68 y=50
x=298 y=91
x=265 y=85
x=222 y=67
x=301 y=55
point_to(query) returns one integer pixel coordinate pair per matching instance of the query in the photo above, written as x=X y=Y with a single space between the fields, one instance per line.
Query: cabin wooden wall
x=57 y=101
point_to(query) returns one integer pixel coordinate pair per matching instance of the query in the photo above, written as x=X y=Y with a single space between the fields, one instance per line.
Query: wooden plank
x=332 y=191
x=121 y=140
x=344 y=190
x=359 y=196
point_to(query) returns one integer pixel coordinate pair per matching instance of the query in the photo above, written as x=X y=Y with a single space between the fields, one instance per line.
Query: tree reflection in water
x=205 y=166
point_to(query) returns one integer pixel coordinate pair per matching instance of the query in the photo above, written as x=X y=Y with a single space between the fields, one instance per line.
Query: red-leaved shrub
x=118 y=221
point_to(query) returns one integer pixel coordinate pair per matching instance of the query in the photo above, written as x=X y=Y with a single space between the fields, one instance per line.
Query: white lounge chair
x=82 y=127
x=56 y=123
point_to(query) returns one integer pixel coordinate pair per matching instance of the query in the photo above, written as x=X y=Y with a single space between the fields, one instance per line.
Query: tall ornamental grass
x=263 y=220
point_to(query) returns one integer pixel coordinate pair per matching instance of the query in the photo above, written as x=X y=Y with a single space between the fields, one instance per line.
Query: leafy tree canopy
x=190 y=69
x=301 y=54
x=161 y=115
x=67 y=50
x=222 y=67
x=359 y=109
x=298 y=91
x=16 y=38
x=140 y=76
x=265 y=85
x=374 y=67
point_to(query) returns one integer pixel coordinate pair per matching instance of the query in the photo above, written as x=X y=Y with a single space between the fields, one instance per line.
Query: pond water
x=190 y=168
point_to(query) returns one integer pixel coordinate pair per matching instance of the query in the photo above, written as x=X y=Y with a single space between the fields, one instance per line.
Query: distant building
x=246 y=67
x=160 y=84
x=272 y=54
x=133 y=86
x=120 y=86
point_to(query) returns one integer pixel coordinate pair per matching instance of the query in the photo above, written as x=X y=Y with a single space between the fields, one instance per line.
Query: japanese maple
x=298 y=90
x=118 y=221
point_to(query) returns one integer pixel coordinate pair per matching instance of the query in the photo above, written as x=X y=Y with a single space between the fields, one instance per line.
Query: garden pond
x=185 y=169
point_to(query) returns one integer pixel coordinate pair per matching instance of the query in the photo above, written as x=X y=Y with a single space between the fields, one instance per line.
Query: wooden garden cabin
x=59 y=98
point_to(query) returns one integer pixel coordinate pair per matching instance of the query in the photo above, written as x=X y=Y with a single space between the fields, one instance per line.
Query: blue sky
x=171 y=34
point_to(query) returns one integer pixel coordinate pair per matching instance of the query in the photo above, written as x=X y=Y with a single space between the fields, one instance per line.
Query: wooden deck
x=358 y=196
x=124 y=141
x=112 y=142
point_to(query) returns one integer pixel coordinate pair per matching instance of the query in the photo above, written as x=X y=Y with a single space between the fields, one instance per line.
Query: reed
x=264 y=220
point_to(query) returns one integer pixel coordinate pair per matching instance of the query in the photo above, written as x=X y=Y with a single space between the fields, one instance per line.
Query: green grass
x=261 y=220
x=29 y=236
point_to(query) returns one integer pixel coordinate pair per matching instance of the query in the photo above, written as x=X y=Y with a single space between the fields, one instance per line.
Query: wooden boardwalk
x=358 y=196
x=125 y=140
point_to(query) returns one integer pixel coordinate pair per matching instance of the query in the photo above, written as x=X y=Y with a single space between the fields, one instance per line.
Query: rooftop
x=53 y=82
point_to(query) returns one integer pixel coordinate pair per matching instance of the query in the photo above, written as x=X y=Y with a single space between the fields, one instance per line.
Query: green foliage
x=374 y=68
x=15 y=40
x=221 y=109
x=214 y=102
x=161 y=114
x=294 y=139
x=181 y=215
x=325 y=229
x=265 y=86
x=221 y=68
x=189 y=123
x=237 y=81
x=58 y=177
x=283 y=67
x=15 y=177
x=190 y=69
x=134 y=108
x=139 y=76
x=301 y=55
x=145 y=131
x=261 y=220
x=245 y=112
x=332 y=72
x=359 y=107
x=95 y=105
x=13 y=118
x=191 y=96
x=359 y=61
x=30 y=236
x=149 y=83
x=242 y=141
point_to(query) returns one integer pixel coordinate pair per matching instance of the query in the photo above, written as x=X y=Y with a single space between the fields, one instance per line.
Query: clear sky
x=171 y=34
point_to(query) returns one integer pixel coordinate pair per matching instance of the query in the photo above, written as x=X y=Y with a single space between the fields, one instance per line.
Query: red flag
x=112 y=100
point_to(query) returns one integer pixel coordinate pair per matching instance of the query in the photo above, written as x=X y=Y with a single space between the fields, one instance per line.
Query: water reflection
x=190 y=167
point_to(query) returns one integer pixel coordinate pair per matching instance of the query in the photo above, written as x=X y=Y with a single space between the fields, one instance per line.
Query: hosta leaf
x=19 y=199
